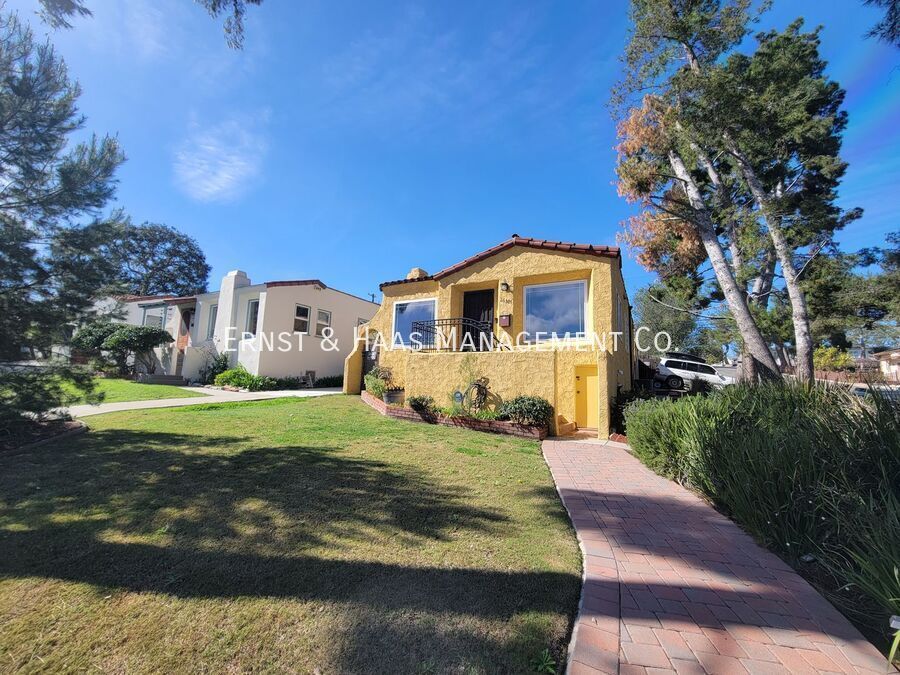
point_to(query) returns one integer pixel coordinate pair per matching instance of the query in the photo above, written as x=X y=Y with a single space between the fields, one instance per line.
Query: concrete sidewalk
x=671 y=585
x=215 y=396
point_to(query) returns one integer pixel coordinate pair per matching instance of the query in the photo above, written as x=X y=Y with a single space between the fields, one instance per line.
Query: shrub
x=289 y=382
x=377 y=381
x=90 y=338
x=27 y=395
x=422 y=404
x=216 y=364
x=623 y=400
x=831 y=358
x=330 y=381
x=241 y=378
x=531 y=410
x=804 y=469
x=454 y=410
x=139 y=341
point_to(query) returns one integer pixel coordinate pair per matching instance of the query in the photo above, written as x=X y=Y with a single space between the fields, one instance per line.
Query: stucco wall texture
x=526 y=369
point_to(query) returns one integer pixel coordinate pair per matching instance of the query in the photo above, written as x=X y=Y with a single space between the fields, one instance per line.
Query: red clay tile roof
x=296 y=282
x=516 y=240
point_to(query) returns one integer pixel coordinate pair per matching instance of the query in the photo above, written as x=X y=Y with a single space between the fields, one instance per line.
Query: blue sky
x=350 y=141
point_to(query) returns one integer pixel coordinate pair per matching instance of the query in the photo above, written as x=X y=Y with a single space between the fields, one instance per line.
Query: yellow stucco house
x=537 y=317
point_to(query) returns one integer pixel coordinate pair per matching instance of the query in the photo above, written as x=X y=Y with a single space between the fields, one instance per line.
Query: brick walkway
x=670 y=585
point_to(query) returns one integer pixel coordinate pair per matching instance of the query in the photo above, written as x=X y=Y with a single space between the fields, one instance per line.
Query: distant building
x=889 y=363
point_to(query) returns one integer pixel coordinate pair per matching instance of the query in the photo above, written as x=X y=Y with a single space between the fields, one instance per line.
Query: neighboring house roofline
x=516 y=240
x=186 y=300
x=315 y=282
x=140 y=298
x=297 y=282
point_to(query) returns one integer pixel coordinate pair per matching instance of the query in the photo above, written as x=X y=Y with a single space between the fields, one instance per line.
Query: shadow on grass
x=235 y=523
x=136 y=483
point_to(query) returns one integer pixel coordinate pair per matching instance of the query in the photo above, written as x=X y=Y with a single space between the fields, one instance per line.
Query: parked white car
x=865 y=390
x=674 y=372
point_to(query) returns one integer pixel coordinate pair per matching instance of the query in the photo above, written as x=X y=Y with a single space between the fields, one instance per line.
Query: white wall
x=129 y=312
x=317 y=354
x=268 y=353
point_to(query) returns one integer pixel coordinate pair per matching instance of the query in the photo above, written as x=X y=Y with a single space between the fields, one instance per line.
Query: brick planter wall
x=489 y=426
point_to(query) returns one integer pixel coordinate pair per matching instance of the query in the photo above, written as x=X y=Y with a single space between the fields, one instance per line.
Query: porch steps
x=144 y=378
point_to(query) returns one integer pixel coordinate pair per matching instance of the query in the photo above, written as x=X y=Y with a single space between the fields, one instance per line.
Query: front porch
x=574 y=382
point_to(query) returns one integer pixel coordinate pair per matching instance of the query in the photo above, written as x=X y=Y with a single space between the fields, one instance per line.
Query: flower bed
x=489 y=426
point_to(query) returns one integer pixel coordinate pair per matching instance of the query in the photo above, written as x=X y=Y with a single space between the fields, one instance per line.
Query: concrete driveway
x=215 y=396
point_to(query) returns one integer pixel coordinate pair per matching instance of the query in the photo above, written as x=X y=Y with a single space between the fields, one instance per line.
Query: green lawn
x=117 y=390
x=296 y=535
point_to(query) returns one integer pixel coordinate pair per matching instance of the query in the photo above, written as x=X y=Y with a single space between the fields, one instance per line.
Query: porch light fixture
x=504 y=287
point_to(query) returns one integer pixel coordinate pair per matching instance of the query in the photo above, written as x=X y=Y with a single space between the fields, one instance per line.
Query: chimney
x=225 y=317
x=417 y=273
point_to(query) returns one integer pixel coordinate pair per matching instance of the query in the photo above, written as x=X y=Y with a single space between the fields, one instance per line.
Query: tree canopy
x=734 y=158
x=888 y=29
x=55 y=247
x=60 y=13
x=159 y=260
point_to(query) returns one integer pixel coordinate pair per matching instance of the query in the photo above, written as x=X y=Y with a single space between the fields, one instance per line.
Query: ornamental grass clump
x=812 y=472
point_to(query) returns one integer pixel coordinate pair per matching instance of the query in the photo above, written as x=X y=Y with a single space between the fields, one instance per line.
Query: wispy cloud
x=220 y=163
x=420 y=75
x=145 y=30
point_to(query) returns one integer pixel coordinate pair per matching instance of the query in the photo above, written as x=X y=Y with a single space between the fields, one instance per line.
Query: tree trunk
x=761 y=291
x=737 y=260
x=737 y=304
x=799 y=312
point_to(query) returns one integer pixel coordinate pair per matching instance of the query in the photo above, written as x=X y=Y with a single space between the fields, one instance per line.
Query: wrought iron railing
x=457 y=334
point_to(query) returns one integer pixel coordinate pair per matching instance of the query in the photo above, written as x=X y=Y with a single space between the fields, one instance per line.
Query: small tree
x=90 y=338
x=137 y=341
x=832 y=358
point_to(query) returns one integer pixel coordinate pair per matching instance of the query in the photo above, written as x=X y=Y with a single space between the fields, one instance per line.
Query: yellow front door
x=587 y=397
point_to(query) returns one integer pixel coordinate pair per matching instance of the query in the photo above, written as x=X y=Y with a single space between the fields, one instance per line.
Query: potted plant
x=393 y=395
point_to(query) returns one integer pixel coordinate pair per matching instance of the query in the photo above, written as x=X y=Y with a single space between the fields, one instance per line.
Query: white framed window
x=405 y=313
x=252 y=316
x=153 y=316
x=211 y=324
x=323 y=321
x=301 y=319
x=555 y=310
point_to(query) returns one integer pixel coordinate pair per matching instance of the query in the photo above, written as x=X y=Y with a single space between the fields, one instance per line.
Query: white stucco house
x=277 y=328
x=889 y=364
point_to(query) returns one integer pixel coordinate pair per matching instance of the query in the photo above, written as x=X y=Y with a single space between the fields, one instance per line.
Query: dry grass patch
x=289 y=535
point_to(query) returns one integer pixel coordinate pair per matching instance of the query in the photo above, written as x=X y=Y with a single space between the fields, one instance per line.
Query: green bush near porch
x=243 y=379
x=813 y=473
